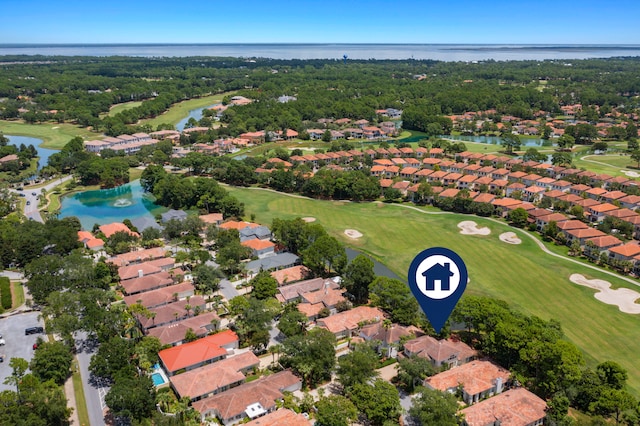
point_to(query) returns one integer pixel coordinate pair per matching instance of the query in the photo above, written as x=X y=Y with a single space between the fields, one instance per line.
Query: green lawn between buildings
x=524 y=276
x=181 y=110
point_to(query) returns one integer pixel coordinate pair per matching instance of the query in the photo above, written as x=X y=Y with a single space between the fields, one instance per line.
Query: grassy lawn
x=81 y=402
x=17 y=294
x=180 y=110
x=610 y=164
x=134 y=174
x=54 y=135
x=524 y=276
x=123 y=107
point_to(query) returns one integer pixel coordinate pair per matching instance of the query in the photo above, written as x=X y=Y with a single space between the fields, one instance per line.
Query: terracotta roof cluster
x=515 y=407
x=350 y=320
x=439 y=351
x=174 y=333
x=475 y=377
x=111 y=228
x=292 y=292
x=280 y=417
x=138 y=256
x=199 y=351
x=266 y=391
x=214 y=378
x=291 y=275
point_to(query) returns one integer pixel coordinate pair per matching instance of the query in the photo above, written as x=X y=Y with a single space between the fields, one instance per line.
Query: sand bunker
x=623 y=298
x=630 y=173
x=469 y=227
x=352 y=233
x=309 y=219
x=510 y=237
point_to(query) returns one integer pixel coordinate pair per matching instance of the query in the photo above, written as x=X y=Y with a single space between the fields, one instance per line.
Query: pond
x=43 y=153
x=378 y=268
x=494 y=140
x=194 y=113
x=102 y=206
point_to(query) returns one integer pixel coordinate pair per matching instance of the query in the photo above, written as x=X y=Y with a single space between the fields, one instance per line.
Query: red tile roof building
x=199 y=352
x=515 y=407
x=479 y=379
x=232 y=406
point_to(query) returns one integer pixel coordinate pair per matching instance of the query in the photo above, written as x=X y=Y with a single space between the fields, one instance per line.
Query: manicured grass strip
x=134 y=174
x=81 y=402
x=180 y=110
x=524 y=276
x=5 y=293
x=18 y=294
x=54 y=135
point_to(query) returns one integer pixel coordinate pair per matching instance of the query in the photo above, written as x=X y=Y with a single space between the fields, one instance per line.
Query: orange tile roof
x=111 y=228
x=258 y=244
x=515 y=407
x=213 y=377
x=605 y=241
x=232 y=224
x=348 y=320
x=628 y=250
x=585 y=233
x=198 y=351
x=291 y=275
x=602 y=208
x=475 y=377
x=439 y=350
x=232 y=403
x=138 y=256
x=280 y=417
x=173 y=333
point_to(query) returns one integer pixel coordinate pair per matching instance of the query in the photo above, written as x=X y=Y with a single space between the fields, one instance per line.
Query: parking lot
x=17 y=344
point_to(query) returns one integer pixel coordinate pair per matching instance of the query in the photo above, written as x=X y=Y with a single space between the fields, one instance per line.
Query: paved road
x=13 y=276
x=31 y=196
x=93 y=392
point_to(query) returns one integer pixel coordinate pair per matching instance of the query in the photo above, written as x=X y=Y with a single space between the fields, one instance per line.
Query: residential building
x=252 y=400
x=447 y=352
x=478 y=379
x=347 y=323
x=515 y=407
x=214 y=378
x=192 y=355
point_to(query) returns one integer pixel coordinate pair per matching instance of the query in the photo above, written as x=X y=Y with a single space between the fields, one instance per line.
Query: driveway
x=228 y=289
x=17 y=344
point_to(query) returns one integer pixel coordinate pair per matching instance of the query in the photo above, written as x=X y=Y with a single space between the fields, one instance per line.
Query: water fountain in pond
x=122 y=202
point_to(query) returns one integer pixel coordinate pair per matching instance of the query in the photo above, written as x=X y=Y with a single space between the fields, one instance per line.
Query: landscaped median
x=523 y=275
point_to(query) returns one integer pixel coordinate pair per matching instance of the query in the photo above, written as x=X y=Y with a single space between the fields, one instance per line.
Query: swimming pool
x=157 y=379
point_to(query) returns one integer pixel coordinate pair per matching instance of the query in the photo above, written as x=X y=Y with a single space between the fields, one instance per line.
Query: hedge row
x=5 y=293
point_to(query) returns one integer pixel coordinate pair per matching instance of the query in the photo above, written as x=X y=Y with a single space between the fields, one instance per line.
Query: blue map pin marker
x=437 y=278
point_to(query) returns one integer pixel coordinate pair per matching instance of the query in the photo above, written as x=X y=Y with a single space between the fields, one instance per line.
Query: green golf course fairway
x=523 y=275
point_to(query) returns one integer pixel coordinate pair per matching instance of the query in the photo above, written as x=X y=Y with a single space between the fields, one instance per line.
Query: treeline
x=180 y=192
x=539 y=357
x=80 y=89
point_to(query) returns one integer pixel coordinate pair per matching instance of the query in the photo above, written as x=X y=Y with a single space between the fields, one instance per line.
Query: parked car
x=35 y=346
x=1 y=357
x=33 y=330
x=28 y=202
x=33 y=193
x=1 y=341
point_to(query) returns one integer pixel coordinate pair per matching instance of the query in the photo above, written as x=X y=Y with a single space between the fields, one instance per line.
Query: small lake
x=102 y=206
x=378 y=268
x=195 y=113
x=493 y=140
x=43 y=153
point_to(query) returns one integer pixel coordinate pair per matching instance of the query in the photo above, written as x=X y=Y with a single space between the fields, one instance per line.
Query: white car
x=1 y=341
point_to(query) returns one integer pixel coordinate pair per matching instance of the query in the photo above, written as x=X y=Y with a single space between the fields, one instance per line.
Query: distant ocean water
x=441 y=52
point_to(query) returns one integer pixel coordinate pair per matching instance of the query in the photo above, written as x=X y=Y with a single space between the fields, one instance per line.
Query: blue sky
x=322 y=21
